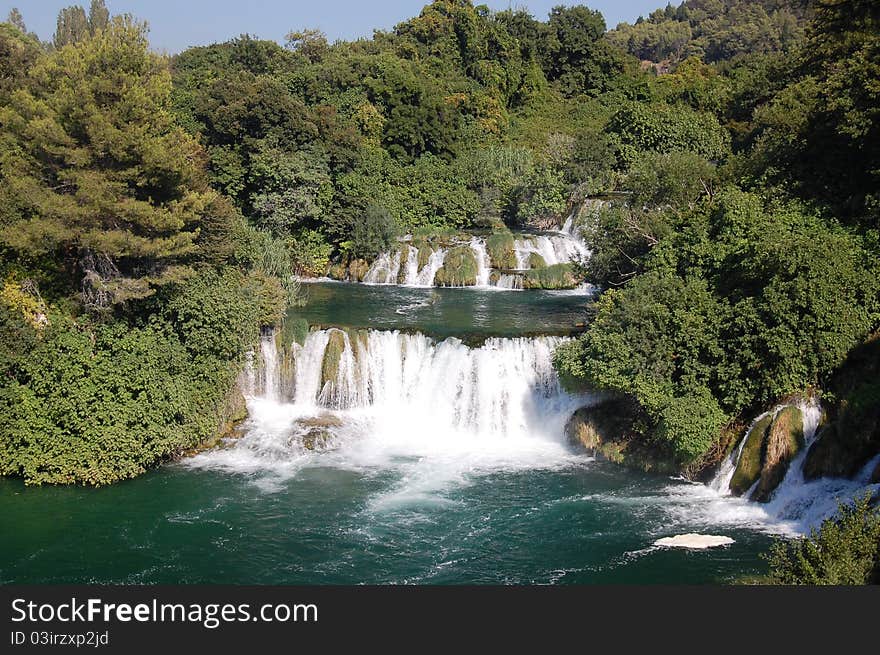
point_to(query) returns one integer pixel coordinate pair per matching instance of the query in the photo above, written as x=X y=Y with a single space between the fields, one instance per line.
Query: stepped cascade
x=505 y=389
x=408 y=266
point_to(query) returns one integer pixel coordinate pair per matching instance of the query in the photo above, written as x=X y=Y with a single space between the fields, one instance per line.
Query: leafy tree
x=96 y=170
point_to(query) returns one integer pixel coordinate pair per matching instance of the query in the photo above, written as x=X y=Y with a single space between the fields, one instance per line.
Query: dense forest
x=155 y=211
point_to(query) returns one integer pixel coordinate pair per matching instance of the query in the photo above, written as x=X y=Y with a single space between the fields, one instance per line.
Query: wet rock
x=459 y=268
x=609 y=430
x=316 y=432
x=784 y=440
x=332 y=353
x=357 y=269
x=748 y=468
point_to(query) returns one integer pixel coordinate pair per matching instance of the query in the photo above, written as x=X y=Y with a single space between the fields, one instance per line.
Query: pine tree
x=94 y=173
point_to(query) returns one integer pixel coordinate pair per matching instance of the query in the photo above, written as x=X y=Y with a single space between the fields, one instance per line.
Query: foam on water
x=434 y=412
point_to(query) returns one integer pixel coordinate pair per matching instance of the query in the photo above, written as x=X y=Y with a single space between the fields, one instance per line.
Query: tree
x=16 y=19
x=100 y=178
x=575 y=56
x=72 y=26
x=99 y=16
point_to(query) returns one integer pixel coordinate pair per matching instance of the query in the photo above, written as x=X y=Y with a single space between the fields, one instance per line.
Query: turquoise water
x=449 y=466
x=442 y=312
x=584 y=522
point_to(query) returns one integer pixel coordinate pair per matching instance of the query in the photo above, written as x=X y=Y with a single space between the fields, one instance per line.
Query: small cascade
x=561 y=249
x=721 y=481
x=484 y=264
x=384 y=270
x=402 y=266
x=270 y=371
x=411 y=271
x=798 y=503
x=425 y=277
x=510 y=281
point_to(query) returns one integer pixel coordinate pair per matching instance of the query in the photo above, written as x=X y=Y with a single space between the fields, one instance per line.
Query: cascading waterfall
x=484 y=264
x=797 y=504
x=509 y=281
x=411 y=272
x=384 y=270
x=402 y=265
x=407 y=395
x=425 y=277
x=271 y=368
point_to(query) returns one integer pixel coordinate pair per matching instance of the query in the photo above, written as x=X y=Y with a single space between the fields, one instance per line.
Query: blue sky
x=174 y=25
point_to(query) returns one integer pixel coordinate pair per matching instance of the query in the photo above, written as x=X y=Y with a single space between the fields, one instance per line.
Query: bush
x=93 y=404
x=844 y=551
x=374 y=233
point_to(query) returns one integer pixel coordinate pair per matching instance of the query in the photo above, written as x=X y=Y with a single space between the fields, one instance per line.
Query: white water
x=797 y=505
x=384 y=270
x=425 y=277
x=553 y=250
x=438 y=414
x=442 y=411
x=510 y=281
x=484 y=264
x=562 y=247
x=271 y=379
x=411 y=272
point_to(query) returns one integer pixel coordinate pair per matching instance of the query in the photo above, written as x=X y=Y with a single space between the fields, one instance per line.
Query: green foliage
x=677 y=178
x=97 y=404
x=372 y=233
x=666 y=128
x=558 y=276
x=815 y=133
x=845 y=550
x=716 y=30
x=691 y=424
x=94 y=167
x=499 y=246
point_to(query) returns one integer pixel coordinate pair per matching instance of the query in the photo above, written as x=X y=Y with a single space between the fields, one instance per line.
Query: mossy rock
x=536 y=261
x=459 y=268
x=784 y=440
x=315 y=432
x=357 y=269
x=852 y=436
x=611 y=430
x=748 y=468
x=425 y=253
x=294 y=329
x=332 y=354
x=502 y=255
x=558 y=276
x=337 y=271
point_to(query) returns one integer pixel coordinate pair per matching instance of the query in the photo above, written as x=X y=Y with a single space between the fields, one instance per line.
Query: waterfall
x=271 y=368
x=384 y=270
x=402 y=266
x=555 y=249
x=797 y=503
x=484 y=264
x=509 y=281
x=425 y=278
x=411 y=272
x=414 y=388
